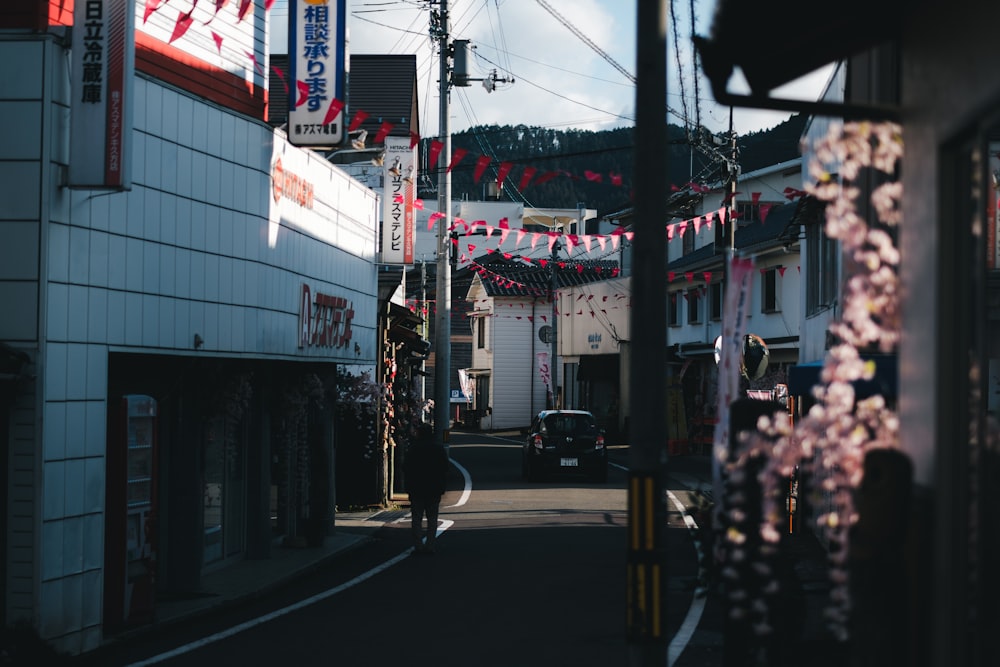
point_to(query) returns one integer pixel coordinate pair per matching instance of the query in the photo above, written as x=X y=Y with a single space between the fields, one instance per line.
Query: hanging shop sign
x=103 y=63
x=398 y=203
x=317 y=48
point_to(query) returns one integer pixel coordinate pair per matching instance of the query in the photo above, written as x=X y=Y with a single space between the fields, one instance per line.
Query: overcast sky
x=568 y=71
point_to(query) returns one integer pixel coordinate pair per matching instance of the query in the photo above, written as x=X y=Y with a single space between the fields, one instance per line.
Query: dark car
x=564 y=442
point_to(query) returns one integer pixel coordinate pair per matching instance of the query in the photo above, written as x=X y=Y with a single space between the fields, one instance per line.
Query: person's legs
x=418 y=507
x=431 y=509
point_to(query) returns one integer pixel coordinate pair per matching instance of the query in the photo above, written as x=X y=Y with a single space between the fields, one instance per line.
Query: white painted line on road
x=443 y=525
x=690 y=624
x=674 y=650
x=236 y=629
x=467 y=490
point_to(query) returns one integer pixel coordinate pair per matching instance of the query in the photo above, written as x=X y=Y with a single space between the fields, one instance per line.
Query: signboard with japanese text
x=101 y=99
x=398 y=202
x=317 y=50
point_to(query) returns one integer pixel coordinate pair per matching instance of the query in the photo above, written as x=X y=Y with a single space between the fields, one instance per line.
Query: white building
x=176 y=340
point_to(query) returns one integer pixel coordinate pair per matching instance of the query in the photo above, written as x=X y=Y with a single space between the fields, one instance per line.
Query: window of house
x=769 y=297
x=749 y=212
x=688 y=239
x=822 y=269
x=673 y=310
x=715 y=301
x=481 y=333
x=694 y=305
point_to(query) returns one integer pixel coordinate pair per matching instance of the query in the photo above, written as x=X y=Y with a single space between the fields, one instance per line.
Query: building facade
x=174 y=346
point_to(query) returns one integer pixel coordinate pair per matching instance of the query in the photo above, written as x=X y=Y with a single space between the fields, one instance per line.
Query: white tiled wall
x=185 y=251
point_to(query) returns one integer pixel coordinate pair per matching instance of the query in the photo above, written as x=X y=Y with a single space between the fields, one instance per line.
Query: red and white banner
x=736 y=309
x=101 y=99
x=399 y=216
x=544 y=371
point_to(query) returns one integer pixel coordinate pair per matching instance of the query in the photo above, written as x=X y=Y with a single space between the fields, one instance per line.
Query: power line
x=586 y=40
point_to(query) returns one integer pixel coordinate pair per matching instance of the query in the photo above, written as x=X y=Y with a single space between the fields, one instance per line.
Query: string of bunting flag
x=529 y=176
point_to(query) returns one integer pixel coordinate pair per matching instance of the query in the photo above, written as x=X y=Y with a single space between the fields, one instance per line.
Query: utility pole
x=423 y=328
x=440 y=28
x=647 y=502
x=442 y=329
x=554 y=364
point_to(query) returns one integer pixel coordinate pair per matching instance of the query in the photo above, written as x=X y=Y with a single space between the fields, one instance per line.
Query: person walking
x=425 y=470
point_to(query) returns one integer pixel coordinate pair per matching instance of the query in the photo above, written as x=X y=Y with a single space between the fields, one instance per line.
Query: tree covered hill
x=577 y=166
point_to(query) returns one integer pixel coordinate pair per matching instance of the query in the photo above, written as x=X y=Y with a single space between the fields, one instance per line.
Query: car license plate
x=570 y=463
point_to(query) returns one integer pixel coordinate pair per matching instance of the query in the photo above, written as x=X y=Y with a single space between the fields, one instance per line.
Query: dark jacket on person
x=425 y=466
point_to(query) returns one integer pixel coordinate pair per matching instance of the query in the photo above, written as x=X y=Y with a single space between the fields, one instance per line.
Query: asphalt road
x=525 y=574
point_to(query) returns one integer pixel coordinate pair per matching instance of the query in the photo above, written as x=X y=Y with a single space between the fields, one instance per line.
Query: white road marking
x=690 y=624
x=674 y=650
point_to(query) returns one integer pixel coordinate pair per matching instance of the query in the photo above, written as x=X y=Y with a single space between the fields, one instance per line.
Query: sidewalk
x=248 y=578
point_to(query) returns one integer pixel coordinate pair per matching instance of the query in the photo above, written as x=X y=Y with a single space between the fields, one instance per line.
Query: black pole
x=647 y=511
x=554 y=364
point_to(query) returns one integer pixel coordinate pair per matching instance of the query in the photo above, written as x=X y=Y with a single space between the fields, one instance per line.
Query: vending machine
x=130 y=513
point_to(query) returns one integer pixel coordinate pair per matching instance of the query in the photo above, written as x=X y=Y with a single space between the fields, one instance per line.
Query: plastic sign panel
x=103 y=64
x=317 y=55
x=398 y=208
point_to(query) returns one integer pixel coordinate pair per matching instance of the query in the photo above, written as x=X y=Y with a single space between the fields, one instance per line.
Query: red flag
x=616 y=179
x=253 y=59
x=414 y=138
x=336 y=106
x=481 y=163
x=245 y=6
x=670 y=276
x=218 y=46
x=383 y=131
x=764 y=210
x=547 y=176
x=707 y=275
x=592 y=176
x=274 y=68
x=303 y=88
x=267 y=5
x=755 y=198
x=689 y=275
x=183 y=23
x=359 y=117
x=526 y=177
x=505 y=168
x=456 y=157
x=152 y=5
x=432 y=154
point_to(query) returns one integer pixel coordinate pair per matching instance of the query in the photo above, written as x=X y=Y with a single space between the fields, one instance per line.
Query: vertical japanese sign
x=317 y=49
x=103 y=62
x=736 y=309
x=398 y=210
x=544 y=373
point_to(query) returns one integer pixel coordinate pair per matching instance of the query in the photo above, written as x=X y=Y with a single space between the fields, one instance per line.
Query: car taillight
x=538 y=442
x=599 y=443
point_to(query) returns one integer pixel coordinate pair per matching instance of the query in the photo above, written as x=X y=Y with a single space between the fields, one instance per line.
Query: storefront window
x=224 y=490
